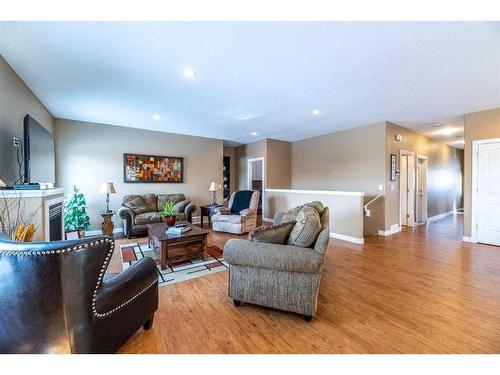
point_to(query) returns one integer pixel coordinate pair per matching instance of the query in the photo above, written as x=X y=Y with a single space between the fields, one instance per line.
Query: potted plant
x=168 y=213
x=75 y=213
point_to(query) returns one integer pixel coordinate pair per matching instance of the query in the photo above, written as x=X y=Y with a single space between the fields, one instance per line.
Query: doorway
x=256 y=180
x=421 y=212
x=406 y=188
x=486 y=191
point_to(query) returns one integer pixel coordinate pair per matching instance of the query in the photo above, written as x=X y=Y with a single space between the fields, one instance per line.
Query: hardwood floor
x=418 y=291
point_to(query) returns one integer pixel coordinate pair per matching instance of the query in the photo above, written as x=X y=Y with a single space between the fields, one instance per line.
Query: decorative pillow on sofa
x=292 y=214
x=276 y=234
x=137 y=205
x=317 y=205
x=306 y=229
x=180 y=206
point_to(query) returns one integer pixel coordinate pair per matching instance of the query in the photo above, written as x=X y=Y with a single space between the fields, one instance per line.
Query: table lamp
x=3 y=185
x=107 y=188
x=213 y=188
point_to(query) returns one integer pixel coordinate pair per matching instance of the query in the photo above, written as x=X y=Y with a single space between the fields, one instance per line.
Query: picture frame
x=141 y=168
x=393 y=167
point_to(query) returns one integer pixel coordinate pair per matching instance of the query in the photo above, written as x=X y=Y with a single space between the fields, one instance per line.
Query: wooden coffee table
x=177 y=248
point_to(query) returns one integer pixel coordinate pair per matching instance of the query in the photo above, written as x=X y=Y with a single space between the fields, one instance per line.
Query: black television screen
x=39 y=160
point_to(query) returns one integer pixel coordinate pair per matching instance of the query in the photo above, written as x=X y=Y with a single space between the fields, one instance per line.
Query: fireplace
x=54 y=220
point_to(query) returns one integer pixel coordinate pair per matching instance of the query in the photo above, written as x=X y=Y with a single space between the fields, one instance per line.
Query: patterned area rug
x=177 y=272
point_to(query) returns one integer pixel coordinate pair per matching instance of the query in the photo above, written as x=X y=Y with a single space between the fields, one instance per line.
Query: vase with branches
x=75 y=213
x=14 y=214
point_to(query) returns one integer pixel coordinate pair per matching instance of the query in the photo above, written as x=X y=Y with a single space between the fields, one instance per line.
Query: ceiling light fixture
x=157 y=117
x=315 y=112
x=253 y=133
x=189 y=73
x=437 y=125
x=448 y=131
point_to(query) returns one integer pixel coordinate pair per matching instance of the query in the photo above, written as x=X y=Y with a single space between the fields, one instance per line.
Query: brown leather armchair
x=56 y=298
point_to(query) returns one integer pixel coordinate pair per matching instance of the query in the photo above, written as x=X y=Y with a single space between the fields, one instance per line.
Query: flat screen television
x=39 y=160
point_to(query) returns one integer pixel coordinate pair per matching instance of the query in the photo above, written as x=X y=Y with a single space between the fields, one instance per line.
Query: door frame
x=412 y=154
x=475 y=160
x=249 y=178
x=417 y=182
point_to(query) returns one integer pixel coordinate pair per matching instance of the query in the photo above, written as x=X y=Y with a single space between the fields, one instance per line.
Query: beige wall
x=231 y=152
x=478 y=125
x=16 y=101
x=349 y=160
x=445 y=165
x=242 y=154
x=277 y=170
x=88 y=154
x=278 y=164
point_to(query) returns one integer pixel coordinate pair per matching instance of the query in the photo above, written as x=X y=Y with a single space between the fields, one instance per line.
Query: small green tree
x=75 y=212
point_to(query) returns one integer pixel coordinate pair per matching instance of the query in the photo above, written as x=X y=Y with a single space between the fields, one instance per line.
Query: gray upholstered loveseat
x=284 y=277
x=137 y=211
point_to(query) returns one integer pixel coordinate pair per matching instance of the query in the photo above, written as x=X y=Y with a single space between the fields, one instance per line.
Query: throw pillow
x=291 y=215
x=275 y=234
x=318 y=206
x=241 y=201
x=306 y=229
x=180 y=206
x=137 y=205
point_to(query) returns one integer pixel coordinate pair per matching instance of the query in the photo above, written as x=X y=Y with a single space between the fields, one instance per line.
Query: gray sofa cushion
x=146 y=218
x=137 y=205
x=306 y=229
x=275 y=234
x=151 y=201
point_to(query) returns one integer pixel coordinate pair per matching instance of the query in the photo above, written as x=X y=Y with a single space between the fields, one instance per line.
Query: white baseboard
x=347 y=238
x=98 y=232
x=395 y=228
x=439 y=217
x=468 y=239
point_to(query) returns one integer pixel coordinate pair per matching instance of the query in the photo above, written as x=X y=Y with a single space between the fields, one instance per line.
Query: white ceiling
x=259 y=77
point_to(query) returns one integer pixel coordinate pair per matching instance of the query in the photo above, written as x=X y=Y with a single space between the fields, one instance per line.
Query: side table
x=107 y=224
x=208 y=210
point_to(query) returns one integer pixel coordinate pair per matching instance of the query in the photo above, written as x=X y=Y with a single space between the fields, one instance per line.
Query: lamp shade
x=107 y=188
x=2 y=184
x=213 y=187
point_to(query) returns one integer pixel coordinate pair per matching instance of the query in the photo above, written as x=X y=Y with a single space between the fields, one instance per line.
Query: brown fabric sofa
x=137 y=211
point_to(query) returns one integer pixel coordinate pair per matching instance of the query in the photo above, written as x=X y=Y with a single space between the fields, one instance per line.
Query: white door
x=407 y=188
x=488 y=193
x=421 y=190
x=411 y=190
x=403 y=189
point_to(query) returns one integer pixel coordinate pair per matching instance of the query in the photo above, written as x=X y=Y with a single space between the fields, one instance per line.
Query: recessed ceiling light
x=448 y=131
x=253 y=133
x=316 y=112
x=157 y=117
x=188 y=73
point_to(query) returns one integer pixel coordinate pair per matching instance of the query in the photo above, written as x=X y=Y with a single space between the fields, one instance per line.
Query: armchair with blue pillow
x=240 y=216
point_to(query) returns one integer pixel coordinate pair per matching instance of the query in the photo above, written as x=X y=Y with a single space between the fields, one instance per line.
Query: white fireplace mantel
x=31 y=193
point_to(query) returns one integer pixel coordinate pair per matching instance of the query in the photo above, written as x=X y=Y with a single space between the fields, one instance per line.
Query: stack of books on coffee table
x=178 y=229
